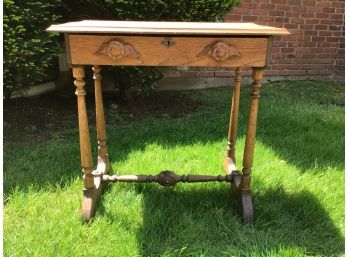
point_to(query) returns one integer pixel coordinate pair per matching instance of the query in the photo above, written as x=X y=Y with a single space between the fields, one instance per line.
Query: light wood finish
x=269 y=51
x=99 y=110
x=90 y=198
x=85 y=145
x=167 y=44
x=230 y=160
x=167 y=178
x=92 y=195
x=103 y=160
x=246 y=201
x=252 y=119
x=67 y=48
x=91 y=183
x=160 y=28
x=150 y=51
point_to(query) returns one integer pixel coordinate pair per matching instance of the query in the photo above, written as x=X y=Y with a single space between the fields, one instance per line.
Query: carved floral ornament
x=220 y=51
x=116 y=50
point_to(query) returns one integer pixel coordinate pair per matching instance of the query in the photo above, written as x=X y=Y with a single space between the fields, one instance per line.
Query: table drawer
x=168 y=51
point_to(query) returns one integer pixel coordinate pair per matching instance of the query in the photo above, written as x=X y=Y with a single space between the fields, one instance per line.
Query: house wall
x=314 y=50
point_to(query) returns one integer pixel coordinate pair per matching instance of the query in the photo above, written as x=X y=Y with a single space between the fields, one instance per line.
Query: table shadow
x=136 y=136
x=204 y=221
x=201 y=218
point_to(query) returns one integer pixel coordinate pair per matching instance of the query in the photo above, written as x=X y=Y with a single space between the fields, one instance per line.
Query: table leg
x=230 y=160
x=88 y=203
x=103 y=159
x=245 y=187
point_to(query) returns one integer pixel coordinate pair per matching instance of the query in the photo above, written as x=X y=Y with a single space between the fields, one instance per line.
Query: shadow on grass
x=302 y=138
x=194 y=220
x=203 y=221
x=306 y=134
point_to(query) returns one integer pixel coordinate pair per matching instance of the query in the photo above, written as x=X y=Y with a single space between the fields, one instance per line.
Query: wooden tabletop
x=155 y=27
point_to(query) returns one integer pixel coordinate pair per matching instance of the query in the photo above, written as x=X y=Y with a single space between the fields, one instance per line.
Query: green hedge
x=29 y=49
x=162 y=10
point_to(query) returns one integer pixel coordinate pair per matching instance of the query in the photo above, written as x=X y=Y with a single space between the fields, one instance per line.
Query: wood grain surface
x=161 y=27
x=152 y=51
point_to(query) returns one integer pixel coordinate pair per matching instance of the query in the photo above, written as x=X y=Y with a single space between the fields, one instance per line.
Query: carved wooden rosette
x=117 y=49
x=220 y=51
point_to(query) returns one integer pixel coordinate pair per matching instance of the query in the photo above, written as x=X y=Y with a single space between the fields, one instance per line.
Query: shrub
x=179 y=10
x=28 y=49
x=141 y=80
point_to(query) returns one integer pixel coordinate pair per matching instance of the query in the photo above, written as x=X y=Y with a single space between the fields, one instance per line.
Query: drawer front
x=168 y=51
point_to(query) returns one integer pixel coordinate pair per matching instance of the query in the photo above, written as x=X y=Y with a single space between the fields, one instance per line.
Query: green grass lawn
x=298 y=183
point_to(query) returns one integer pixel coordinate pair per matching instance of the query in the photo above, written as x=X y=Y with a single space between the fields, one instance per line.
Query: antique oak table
x=198 y=44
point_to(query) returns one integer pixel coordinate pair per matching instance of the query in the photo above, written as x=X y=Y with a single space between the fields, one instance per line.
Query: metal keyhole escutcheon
x=168 y=42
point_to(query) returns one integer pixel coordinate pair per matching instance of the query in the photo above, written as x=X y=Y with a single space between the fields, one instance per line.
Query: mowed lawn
x=298 y=182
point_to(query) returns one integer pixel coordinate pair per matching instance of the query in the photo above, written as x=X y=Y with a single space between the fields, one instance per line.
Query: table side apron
x=230 y=51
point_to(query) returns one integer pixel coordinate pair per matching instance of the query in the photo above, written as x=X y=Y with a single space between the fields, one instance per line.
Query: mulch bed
x=36 y=119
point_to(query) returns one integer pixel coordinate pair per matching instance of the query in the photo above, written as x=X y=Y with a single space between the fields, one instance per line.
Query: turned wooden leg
x=85 y=145
x=88 y=203
x=230 y=160
x=103 y=159
x=245 y=187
